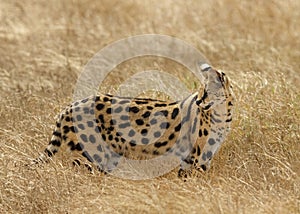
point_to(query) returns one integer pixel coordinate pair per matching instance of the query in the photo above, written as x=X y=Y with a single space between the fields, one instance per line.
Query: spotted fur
x=104 y=128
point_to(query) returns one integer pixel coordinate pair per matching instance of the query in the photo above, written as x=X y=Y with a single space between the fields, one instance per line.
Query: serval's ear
x=205 y=67
x=202 y=69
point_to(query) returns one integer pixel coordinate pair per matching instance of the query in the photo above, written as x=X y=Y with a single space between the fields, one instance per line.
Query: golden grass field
x=44 y=46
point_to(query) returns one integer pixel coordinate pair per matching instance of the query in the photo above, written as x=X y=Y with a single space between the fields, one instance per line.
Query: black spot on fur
x=97 y=129
x=157 y=134
x=163 y=112
x=81 y=126
x=99 y=148
x=84 y=100
x=134 y=109
x=119 y=133
x=209 y=155
x=164 y=125
x=66 y=129
x=132 y=143
x=178 y=127
x=57 y=134
x=92 y=112
x=160 y=104
x=203 y=167
x=208 y=106
x=55 y=143
x=106 y=99
x=139 y=122
x=139 y=102
x=155 y=152
x=74 y=146
x=78 y=117
x=144 y=132
x=211 y=141
x=173 y=103
x=228 y=120
x=90 y=123
x=169 y=150
x=77 y=109
x=113 y=101
x=86 y=110
x=92 y=139
x=124 y=125
x=97 y=99
x=48 y=153
x=99 y=106
x=160 y=144
x=97 y=158
x=79 y=147
x=153 y=121
x=101 y=118
x=131 y=133
x=112 y=122
x=124 y=101
x=71 y=144
x=194 y=150
x=198 y=150
x=200 y=133
x=145 y=141
x=146 y=114
x=84 y=137
x=108 y=110
x=124 y=117
x=149 y=107
x=118 y=110
x=175 y=113
x=87 y=156
x=171 y=137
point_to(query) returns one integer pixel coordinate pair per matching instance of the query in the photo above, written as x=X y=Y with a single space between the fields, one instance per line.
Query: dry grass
x=44 y=46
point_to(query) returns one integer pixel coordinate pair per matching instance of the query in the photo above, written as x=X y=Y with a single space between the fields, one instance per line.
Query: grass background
x=43 y=48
